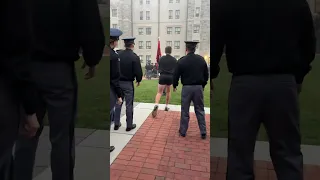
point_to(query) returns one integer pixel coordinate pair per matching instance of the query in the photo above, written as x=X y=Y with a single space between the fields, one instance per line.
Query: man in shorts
x=167 y=65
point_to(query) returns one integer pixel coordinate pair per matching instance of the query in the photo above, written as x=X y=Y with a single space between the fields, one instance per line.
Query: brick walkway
x=156 y=152
x=263 y=169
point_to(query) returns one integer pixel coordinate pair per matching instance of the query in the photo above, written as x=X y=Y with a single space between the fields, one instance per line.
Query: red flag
x=158 y=52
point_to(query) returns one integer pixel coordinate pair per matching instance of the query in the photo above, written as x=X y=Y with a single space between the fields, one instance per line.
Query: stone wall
x=204 y=46
x=205 y=28
x=191 y=6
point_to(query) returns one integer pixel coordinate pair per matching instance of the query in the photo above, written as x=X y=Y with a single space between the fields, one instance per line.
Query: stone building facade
x=173 y=21
x=122 y=19
x=202 y=19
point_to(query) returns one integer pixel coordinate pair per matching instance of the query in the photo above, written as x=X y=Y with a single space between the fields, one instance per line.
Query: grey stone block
x=99 y=139
x=83 y=132
x=91 y=163
x=38 y=170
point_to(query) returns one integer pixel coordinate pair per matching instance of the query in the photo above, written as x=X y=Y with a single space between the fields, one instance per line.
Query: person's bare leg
x=168 y=96
x=159 y=93
x=157 y=100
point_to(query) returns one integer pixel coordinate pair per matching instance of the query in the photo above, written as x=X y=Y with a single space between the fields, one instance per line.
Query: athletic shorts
x=165 y=79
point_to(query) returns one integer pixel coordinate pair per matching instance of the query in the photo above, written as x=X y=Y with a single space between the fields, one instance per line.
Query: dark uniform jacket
x=263 y=37
x=115 y=73
x=167 y=64
x=14 y=48
x=149 y=67
x=192 y=69
x=62 y=27
x=130 y=66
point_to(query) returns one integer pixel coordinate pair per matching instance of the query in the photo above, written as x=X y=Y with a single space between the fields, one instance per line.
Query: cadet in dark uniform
x=193 y=71
x=58 y=36
x=17 y=91
x=130 y=68
x=116 y=93
x=167 y=65
x=269 y=48
x=149 y=68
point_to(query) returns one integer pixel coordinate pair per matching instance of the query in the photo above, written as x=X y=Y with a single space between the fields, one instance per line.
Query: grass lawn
x=147 y=90
x=309 y=103
x=93 y=98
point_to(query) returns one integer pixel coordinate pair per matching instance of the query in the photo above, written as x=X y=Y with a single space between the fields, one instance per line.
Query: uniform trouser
x=273 y=101
x=128 y=90
x=10 y=115
x=149 y=74
x=113 y=101
x=195 y=94
x=57 y=89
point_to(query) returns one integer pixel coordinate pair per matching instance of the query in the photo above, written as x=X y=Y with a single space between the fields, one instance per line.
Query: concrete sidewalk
x=219 y=149
x=92 y=155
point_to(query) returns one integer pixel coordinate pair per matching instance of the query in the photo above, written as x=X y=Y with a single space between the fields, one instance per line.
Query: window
x=178 y=30
x=114 y=25
x=114 y=13
x=141 y=15
x=170 y=14
x=170 y=1
x=197 y=12
x=177 y=57
x=148 y=58
x=176 y=44
x=148 y=31
x=148 y=61
x=147 y=15
x=147 y=1
x=177 y=1
x=177 y=14
x=196 y=28
x=141 y=58
x=169 y=43
x=140 y=30
x=140 y=44
x=169 y=30
x=141 y=2
x=148 y=45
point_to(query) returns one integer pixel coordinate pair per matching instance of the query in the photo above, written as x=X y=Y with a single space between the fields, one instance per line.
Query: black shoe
x=133 y=127
x=155 y=111
x=203 y=136
x=116 y=127
x=183 y=135
x=112 y=148
x=166 y=109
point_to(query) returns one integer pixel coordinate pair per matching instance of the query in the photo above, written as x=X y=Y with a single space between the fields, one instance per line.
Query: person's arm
x=176 y=76
x=137 y=69
x=307 y=44
x=115 y=77
x=205 y=74
x=89 y=31
x=28 y=96
x=217 y=38
x=18 y=71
